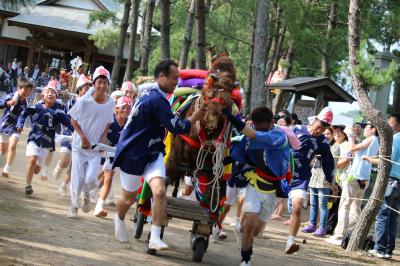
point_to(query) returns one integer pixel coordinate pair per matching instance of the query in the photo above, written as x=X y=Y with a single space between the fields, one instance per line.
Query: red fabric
x=193 y=73
x=195 y=144
x=268 y=177
x=237 y=98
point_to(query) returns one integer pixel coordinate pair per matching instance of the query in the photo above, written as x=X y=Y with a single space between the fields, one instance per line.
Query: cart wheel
x=140 y=220
x=199 y=249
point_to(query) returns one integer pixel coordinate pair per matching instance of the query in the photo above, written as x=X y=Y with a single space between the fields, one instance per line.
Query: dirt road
x=37 y=231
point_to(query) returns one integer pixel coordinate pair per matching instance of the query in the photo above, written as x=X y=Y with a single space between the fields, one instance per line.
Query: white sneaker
x=238 y=233
x=157 y=244
x=222 y=235
x=215 y=233
x=334 y=240
x=375 y=253
x=291 y=247
x=235 y=222
x=6 y=171
x=57 y=172
x=243 y=263
x=73 y=212
x=110 y=201
x=63 y=190
x=43 y=174
x=93 y=196
x=86 y=202
x=388 y=256
x=121 y=234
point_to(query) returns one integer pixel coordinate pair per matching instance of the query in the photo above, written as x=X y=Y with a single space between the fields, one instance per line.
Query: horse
x=194 y=154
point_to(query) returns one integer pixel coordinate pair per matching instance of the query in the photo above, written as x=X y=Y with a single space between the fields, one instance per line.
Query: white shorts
x=298 y=193
x=65 y=150
x=233 y=193
x=132 y=183
x=34 y=150
x=4 y=138
x=261 y=203
x=107 y=165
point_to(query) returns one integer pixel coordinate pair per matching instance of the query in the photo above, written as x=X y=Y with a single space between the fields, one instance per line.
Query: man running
x=140 y=149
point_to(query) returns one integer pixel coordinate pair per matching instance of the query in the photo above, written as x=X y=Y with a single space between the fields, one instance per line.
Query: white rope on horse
x=218 y=167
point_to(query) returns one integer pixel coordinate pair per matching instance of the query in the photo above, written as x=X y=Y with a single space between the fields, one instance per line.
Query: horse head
x=215 y=97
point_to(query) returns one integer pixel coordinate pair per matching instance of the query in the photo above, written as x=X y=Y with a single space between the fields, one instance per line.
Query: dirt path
x=37 y=231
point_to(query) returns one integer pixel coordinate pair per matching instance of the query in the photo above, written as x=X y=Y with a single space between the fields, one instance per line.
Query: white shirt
x=92 y=117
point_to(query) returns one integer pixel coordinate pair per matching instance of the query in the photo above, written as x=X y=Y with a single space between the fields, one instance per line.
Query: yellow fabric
x=167 y=143
x=228 y=167
x=254 y=178
x=180 y=91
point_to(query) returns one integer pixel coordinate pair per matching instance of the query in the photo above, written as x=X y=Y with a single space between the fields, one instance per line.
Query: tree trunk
x=258 y=94
x=165 y=28
x=396 y=94
x=146 y=42
x=187 y=39
x=247 y=96
x=361 y=229
x=282 y=98
x=278 y=52
x=275 y=39
x=121 y=43
x=325 y=70
x=132 y=40
x=200 y=12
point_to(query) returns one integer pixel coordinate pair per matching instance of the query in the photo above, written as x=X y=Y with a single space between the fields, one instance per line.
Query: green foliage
x=355 y=114
x=105 y=38
x=15 y=5
x=369 y=73
x=381 y=20
x=103 y=16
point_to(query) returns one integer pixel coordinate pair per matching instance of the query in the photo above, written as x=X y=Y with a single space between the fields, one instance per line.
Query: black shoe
x=28 y=190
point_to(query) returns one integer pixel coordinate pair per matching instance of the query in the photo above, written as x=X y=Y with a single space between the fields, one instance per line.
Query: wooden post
x=297 y=97
x=319 y=103
x=32 y=47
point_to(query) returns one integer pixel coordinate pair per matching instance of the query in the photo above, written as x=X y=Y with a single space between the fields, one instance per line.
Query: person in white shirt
x=91 y=117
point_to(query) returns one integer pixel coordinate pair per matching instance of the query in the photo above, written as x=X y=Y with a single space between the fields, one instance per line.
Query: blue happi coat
x=8 y=122
x=44 y=124
x=65 y=130
x=310 y=147
x=141 y=141
x=268 y=152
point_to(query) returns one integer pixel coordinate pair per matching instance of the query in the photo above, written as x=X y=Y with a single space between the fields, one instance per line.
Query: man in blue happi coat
x=141 y=149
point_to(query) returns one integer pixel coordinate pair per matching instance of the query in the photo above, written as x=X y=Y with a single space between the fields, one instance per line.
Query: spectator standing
x=355 y=183
x=319 y=192
x=386 y=220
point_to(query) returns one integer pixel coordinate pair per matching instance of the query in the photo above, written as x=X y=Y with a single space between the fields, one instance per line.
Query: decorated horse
x=200 y=153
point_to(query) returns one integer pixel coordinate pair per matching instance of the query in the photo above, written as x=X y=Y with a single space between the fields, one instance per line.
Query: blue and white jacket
x=310 y=147
x=114 y=133
x=65 y=130
x=269 y=152
x=44 y=123
x=8 y=122
x=141 y=140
